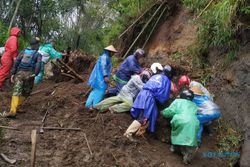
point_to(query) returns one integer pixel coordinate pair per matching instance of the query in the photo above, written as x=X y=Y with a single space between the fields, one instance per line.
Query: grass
x=217 y=26
x=229 y=140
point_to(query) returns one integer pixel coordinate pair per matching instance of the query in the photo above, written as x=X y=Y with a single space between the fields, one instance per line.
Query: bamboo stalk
x=204 y=9
x=42 y=90
x=5 y=158
x=68 y=75
x=14 y=15
x=145 y=26
x=33 y=148
x=8 y=127
x=137 y=20
x=59 y=128
x=91 y=153
x=70 y=69
x=151 y=32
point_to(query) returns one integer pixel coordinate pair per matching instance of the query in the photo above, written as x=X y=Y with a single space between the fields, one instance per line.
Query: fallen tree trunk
x=65 y=66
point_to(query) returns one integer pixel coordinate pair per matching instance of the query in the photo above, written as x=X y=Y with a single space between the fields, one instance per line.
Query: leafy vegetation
x=229 y=140
x=217 y=24
x=82 y=24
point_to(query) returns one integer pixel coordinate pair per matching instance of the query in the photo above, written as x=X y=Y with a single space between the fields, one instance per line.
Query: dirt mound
x=81 y=62
x=233 y=86
x=104 y=133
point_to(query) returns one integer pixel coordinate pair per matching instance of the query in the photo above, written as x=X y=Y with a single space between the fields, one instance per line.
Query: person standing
x=9 y=55
x=48 y=53
x=99 y=78
x=129 y=67
x=26 y=67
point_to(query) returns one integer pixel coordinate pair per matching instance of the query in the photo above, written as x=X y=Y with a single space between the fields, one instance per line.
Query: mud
x=104 y=133
x=233 y=93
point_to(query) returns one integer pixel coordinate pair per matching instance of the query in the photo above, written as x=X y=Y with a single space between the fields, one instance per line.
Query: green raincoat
x=48 y=53
x=184 y=123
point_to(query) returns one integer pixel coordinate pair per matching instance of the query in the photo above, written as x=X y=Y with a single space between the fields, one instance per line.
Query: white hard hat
x=156 y=66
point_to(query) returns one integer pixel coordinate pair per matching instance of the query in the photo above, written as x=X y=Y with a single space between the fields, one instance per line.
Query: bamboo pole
x=151 y=32
x=8 y=127
x=15 y=13
x=90 y=151
x=137 y=20
x=71 y=70
x=204 y=9
x=145 y=26
x=33 y=148
x=59 y=128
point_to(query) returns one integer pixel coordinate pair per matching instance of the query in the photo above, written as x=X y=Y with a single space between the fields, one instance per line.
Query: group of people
x=141 y=91
x=137 y=90
x=26 y=68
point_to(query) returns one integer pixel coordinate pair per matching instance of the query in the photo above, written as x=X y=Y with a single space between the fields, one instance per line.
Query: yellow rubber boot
x=20 y=102
x=13 y=108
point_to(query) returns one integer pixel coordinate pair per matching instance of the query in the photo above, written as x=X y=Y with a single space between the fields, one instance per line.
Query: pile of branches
x=73 y=66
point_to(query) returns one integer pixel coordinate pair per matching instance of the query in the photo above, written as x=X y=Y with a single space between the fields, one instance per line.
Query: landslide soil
x=104 y=132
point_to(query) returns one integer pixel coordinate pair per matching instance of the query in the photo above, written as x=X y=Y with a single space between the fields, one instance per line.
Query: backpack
x=28 y=58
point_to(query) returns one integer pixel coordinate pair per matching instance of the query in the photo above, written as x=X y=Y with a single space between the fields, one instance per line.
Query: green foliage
x=229 y=140
x=195 y=5
x=216 y=25
x=205 y=78
x=3 y=34
x=125 y=10
x=177 y=55
x=245 y=10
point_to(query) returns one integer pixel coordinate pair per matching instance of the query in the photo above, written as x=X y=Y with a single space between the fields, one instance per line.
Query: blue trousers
x=204 y=119
x=95 y=96
x=39 y=77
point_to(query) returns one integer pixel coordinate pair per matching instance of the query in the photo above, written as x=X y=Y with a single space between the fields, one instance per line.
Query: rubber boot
x=134 y=127
x=20 y=102
x=15 y=101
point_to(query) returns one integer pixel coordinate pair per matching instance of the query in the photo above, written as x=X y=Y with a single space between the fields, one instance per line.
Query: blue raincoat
x=156 y=89
x=207 y=111
x=96 y=80
x=129 y=67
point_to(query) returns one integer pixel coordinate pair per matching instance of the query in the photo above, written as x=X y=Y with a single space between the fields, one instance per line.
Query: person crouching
x=184 y=124
x=144 y=110
x=124 y=100
x=26 y=67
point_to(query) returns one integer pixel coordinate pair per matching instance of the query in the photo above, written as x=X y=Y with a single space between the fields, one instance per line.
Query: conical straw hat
x=196 y=90
x=111 y=48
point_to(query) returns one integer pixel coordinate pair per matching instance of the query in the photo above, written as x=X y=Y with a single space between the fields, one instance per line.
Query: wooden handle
x=33 y=148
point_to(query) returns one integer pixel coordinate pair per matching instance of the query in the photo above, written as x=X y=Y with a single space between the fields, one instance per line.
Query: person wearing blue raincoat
x=48 y=53
x=207 y=110
x=144 y=110
x=129 y=67
x=99 y=77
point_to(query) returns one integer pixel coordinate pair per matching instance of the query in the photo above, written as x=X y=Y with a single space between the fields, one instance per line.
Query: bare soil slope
x=104 y=133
